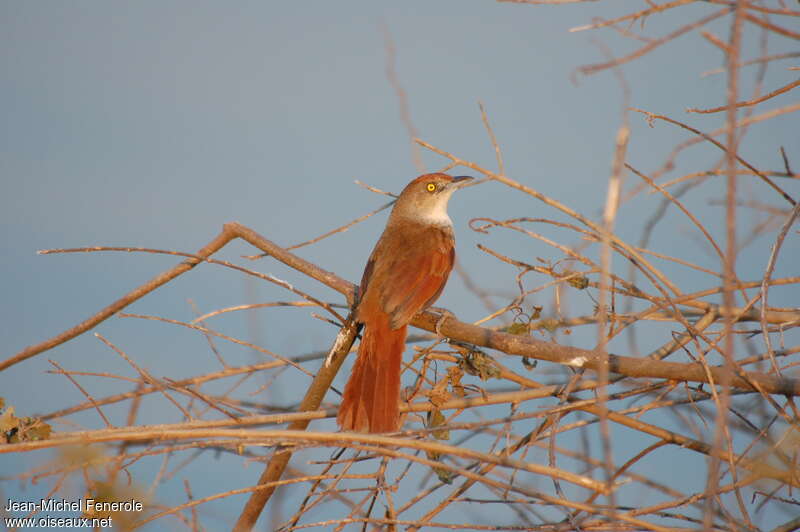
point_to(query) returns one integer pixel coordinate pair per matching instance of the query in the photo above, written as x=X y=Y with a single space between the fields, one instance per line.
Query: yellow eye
x=431 y=187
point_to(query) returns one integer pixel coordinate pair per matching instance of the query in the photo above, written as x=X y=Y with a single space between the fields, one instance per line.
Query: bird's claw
x=443 y=315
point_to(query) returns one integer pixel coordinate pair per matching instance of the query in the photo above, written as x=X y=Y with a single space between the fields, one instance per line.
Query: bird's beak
x=460 y=181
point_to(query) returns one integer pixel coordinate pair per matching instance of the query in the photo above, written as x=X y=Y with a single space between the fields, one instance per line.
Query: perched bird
x=405 y=274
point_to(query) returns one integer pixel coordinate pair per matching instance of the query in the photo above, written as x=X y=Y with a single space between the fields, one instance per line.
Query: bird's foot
x=443 y=315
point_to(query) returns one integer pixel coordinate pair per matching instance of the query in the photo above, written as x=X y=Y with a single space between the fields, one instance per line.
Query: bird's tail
x=371 y=400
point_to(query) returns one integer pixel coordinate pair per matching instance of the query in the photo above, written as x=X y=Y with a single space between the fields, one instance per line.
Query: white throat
x=438 y=215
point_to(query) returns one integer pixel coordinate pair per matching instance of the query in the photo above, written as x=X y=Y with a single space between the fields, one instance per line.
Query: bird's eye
x=431 y=187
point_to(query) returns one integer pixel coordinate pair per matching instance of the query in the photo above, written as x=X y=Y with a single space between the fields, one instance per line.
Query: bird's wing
x=404 y=276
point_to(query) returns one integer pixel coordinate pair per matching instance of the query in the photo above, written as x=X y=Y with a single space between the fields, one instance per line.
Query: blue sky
x=153 y=123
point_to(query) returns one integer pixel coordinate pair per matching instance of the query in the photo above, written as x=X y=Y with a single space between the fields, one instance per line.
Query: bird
x=406 y=272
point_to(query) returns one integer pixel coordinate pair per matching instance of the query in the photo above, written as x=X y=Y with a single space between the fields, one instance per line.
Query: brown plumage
x=405 y=274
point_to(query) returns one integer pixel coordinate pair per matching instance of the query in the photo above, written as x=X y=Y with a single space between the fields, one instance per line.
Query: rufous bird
x=405 y=274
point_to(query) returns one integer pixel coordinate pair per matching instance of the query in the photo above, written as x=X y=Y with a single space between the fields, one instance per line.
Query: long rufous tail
x=371 y=396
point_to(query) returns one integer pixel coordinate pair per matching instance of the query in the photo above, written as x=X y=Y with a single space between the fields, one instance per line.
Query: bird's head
x=425 y=198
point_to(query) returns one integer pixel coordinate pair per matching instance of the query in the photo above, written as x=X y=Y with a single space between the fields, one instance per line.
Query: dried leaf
x=439 y=394
x=8 y=421
x=32 y=429
x=479 y=364
x=14 y=429
x=445 y=475
x=454 y=374
x=579 y=282
x=437 y=419
x=518 y=328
